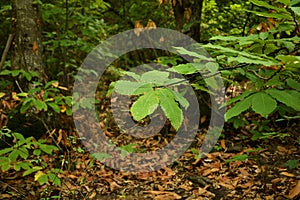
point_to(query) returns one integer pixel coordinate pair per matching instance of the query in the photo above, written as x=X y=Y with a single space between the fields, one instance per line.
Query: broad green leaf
x=128 y=87
x=41 y=177
x=170 y=107
x=5 y=167
x=156 y=77
x=296 y=10
x=267 y=5
x=37 y=152
x=295 y=2
x=229 y=50
x=275 y=81
x=235 y=38
x=181 y=99
x=212 y=67
x=87 y=102
x=23 y=94
x=184 y=51
x=13 y=155
x=148 y=87
x=54 y=179
x=5 y=72
x=263 y=35
x=184 y=69
x=238 y=108
x=272 y=15
x=144 y=106
x=40 y=105
x=175 y=81
x=290 y=98
x=134 y=75
x=237 y=98
x=23 y=152
x=100 y=156
x=26 y=106
x=292 y=83
x=263 y=103
x=55 y=107
x=48 y=148
x=285 y=2
x=29 y=171
x=5 y=151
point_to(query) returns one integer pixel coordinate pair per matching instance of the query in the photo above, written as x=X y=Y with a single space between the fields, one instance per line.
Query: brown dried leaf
x=287 y=174
x=138 y=27
x=295 y=191
x=151 y=25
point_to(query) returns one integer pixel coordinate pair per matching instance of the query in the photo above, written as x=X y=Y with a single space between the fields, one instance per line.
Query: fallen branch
x=8 y=43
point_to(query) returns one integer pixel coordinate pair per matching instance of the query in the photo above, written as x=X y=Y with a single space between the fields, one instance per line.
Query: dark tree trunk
x=186 y=11
x=27 y=43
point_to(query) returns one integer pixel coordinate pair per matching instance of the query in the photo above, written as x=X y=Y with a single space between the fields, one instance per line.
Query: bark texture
x=27 y=43
x=186 y=11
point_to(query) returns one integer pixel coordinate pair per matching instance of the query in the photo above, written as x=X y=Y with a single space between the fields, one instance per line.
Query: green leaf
x=145 y=88
x=290 y=98
x=184 y=51
x=292 y=164
x=238 y=158
x=292 y=83
x=263 y=103
x=100 y=156
x=180 y=98
x=5 y=163
x=48 y=148
x=23 y=94
x=13 y=155
x=156 y=77
x=5 y=151
x=238 y=108
x=23 y=152
x=129 y=87
x=170 y=107
x=144 y=106
x=272 y=15
x=184 y=68
x=41 y=177
x=237 y=98
x=30 y=171
x=267 y=5
x=54 y=179
x=25 y=165
x=296 y=10
x=86 y=102
x=5 y=72
x=134 y=75
x=263 y=35
x=54 y=106
x=40 y=105
x=251 y=38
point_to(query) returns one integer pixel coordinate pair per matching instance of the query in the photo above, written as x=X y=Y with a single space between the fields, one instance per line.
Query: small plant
x=25 y=155
x=243 y=157
x=292 y=164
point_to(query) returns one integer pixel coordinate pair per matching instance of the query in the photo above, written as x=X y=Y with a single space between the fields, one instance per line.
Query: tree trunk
x=186 y=11
x=27 y=43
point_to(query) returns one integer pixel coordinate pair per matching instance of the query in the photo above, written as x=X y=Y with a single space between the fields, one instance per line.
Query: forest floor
x=239 y=167
x=261 y=174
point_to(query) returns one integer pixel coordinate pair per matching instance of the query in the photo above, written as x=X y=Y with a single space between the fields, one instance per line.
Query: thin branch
x=8 y=43
x=23 y=195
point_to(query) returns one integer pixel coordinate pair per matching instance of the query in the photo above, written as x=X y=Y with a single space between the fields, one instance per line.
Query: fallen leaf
x=287 y=174
x=223 y=145
x=295 y=191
